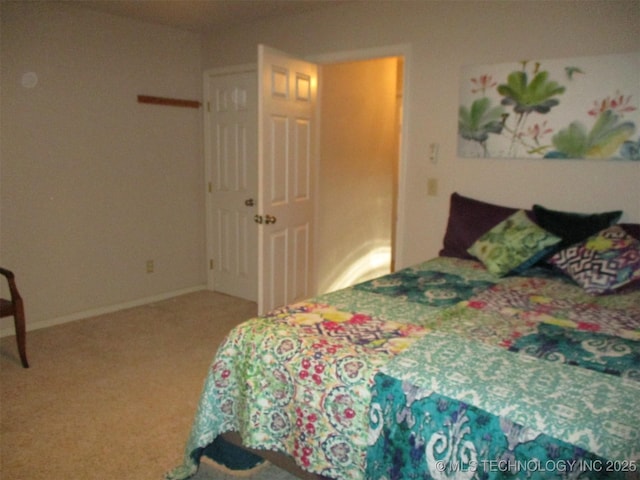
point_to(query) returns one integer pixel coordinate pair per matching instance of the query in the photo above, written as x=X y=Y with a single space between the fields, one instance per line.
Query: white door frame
x=400 y=50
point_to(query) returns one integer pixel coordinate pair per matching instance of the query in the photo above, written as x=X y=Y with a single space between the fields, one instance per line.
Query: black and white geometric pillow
x=602 y=263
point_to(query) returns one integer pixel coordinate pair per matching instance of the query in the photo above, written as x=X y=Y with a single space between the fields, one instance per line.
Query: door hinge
x=209 y=107
x=211 y=264
x=210 y=187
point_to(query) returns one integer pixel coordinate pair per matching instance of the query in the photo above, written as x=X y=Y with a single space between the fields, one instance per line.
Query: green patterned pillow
x=513 y=245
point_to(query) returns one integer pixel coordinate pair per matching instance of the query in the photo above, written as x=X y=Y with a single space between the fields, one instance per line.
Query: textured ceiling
x=205 y=15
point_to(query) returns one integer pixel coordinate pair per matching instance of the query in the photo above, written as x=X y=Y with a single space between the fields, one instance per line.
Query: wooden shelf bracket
x=174 y=102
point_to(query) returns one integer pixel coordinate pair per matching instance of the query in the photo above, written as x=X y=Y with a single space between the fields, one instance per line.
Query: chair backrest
x=15 y=308
x=13 y=291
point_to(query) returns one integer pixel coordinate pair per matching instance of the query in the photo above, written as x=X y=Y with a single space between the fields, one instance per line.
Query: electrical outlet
x=150 y=266
x=432 y=187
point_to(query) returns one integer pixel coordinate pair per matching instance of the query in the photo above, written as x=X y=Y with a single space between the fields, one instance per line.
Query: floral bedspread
x=437 y=371
x=529 y=378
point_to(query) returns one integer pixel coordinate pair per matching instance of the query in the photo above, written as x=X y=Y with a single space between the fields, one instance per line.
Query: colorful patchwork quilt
x=437 y=371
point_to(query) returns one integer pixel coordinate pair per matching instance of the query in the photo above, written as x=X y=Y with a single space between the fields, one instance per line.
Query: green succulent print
x=605 y=138
x=477 y=122
x=551 y=110
x=537 y=96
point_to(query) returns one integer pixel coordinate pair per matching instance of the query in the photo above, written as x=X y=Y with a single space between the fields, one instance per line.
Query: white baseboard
x=9 y=330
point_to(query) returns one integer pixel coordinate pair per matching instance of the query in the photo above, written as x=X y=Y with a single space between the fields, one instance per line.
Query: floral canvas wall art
x=578 y=108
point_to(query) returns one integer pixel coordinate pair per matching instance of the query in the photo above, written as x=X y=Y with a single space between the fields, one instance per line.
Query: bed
x=514 y=354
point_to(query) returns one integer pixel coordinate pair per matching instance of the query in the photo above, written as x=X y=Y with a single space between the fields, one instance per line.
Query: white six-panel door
x=231 y=151
x=287 y=89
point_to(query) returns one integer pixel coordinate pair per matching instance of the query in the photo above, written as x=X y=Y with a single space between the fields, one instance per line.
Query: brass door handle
x=267 y=219
x=249 y=202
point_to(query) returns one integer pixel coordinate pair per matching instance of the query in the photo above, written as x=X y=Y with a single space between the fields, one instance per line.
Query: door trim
x=400 y=50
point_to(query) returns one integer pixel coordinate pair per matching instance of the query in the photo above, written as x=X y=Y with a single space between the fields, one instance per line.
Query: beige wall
x=358 y=154
x=443 y=36
x=94 y=184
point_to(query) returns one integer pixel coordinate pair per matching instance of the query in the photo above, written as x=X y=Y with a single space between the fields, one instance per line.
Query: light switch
x=434 y=150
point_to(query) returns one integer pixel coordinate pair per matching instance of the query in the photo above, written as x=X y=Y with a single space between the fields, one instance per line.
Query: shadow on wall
x=371 y=260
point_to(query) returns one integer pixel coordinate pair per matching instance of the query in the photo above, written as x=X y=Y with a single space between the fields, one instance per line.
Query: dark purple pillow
x=469 y=219
x=632 y=229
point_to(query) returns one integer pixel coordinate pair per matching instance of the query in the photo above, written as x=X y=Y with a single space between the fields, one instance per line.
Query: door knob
x=249 y=202
x=267 y=219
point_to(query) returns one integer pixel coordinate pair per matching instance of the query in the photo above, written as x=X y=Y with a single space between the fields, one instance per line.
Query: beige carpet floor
x=113 y=396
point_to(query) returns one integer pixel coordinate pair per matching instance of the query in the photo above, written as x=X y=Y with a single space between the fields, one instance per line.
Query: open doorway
x=361 y=112
x=357 y=235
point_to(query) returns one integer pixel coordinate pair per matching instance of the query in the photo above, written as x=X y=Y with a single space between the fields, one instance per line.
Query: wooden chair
x=15 y=308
